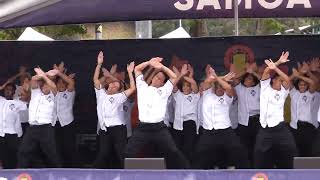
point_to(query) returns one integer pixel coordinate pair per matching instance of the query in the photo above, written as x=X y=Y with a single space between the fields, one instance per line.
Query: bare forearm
x=66 y=78
x=266 y=74
x=138 y=69
x=132 y=83
x=224 y=84
x=97 y=73
x=170 y=73
x=50 y=83
x=282 y=75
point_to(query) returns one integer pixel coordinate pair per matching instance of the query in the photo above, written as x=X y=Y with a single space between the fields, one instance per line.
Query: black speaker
x=144 y=163
x=306 y=163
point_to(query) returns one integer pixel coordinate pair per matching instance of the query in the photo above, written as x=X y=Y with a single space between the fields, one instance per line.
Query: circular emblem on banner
x=24 y=176
x=238 y=52
x=259 y=176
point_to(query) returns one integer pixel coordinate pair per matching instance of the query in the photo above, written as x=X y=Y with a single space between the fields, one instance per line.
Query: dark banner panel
x=79 y=11
x=80 y=58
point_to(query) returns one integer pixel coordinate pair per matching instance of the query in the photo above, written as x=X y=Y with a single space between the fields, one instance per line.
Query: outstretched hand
x=184 y=70
x=156 y=63
x=39 y=71
x=100 y=58
x=130 y=67
x=270 y=64
x=283 y=58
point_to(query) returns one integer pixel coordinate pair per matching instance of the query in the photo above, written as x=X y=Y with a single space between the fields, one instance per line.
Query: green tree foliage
x=225 y=27
x=61 y=32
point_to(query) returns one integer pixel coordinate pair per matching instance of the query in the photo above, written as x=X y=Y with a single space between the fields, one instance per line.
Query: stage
x=94 y=174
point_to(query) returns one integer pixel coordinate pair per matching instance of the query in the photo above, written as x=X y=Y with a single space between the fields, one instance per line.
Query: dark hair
x=255 y=79
x=274 y=77
x=296 y=83
x=180 y=84
x=12 y=85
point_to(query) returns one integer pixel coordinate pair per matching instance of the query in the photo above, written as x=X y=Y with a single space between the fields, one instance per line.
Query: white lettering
x=270 y=5
x=184 y=7
x=306 y=3
x=248 y=4
x=214 y=3
x=229 y=3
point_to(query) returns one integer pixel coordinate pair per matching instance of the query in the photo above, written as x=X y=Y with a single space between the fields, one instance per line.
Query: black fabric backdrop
x=80 y=58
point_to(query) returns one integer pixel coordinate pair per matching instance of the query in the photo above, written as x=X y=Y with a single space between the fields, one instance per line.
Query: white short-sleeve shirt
x=64 y=107
x=169 y=116
x=301 y=107
x=41 y=108
x=233 y=113
x=11 y=118
x=200 y=113
x=152 y=101
x=185 y=108
x=314 y=108
x=127 y=108
x=248 y=102
x=109 y=108
x=271 y=104
x=215 y=110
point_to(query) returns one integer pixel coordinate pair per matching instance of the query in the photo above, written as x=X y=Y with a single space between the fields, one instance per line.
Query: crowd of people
x=234 y=120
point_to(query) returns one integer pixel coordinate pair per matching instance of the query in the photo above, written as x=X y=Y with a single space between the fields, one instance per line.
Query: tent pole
x=236 y=17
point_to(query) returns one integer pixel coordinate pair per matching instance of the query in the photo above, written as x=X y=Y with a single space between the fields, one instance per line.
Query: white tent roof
x=30 y=34
x=178 y=33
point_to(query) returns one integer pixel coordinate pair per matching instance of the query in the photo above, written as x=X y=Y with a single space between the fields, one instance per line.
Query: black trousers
x=214 y=144
x=39 y=138
x=158 y=135
x=275 y=147
x=248 y=135
x=9 y=150
x=111 y=146
x=66 y=143
x=185 y=139
x=304 y=136
x=316 y=144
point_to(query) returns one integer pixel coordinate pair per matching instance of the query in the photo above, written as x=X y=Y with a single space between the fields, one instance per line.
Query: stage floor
x=101 y=174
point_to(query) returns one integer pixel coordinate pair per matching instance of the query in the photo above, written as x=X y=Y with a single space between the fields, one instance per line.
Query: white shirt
x=9 y=117
x=169 y=116
x=24 y=114
x=318 y=114
x=271 y=104
x=248 y=102
x=110 y=108
x=17 y=92
x=301 y=105
x=41 y=108
x=200 y=114
x=127 y=108
x=185 y=108
x=233 y=113
x=216 y=110
x=64 y=107
x=152 y=101
x=315 y=108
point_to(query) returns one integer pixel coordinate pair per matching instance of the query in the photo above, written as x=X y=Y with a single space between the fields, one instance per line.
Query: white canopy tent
x=178 y=33
x=30 y=34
